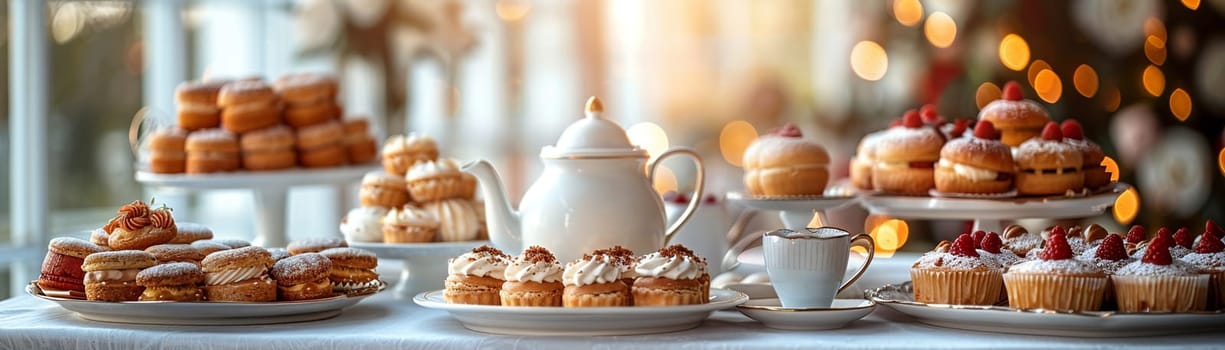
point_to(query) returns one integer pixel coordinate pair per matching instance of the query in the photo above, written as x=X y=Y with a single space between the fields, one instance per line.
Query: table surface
x=383 y=322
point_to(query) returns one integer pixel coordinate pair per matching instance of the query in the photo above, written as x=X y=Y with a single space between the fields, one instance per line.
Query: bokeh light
x=1220 y=161
x=649 y=136
x=1048 y=86
x=68 y=21
x=1112 y=167
x=940 y=29
x=1111 y=99
x=734 y=139
x=1154 y=80
x=986 y=93
x=1085 y=80
x=1180 y=104
x=1014 y=52
x=888 y=233
x=908 y=12
x=1191 y=4
x=1036 y=66
x=1154 y=49
x=1126 y=206
x=869 y=60
x=665 y=180
x=512 y=10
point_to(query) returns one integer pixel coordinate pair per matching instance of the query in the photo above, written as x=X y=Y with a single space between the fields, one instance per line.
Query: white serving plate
x=256 y=179
x=1057 y=207
x=204 y=313
x=424 y=264
x=553 y=321
x=1043 y=322
x=409 y=250
x=771 y=313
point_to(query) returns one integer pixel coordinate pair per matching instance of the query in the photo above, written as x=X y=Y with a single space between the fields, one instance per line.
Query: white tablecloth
x=383 y=322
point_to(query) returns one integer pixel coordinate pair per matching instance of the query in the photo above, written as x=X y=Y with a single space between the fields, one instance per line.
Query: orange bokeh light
x=512 y=10
x=1126 y=206
x=1220 y=161
x=1014 y=52
x=1180 y=104
x=1035 y=67
x=1111 y=99
x=1154 y=80
x=734 y=139
x=908 y=12
x=1085 y=80
x=1048 y=86
x=1154 y=49
x=986 y=93
x=869 y=60
x=940 y=29
x=890 y=234
x=1191 y=4
x=1112 y=167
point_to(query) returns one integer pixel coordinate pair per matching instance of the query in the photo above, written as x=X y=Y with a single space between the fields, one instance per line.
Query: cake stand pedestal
x=425 y=264
x=270 y=189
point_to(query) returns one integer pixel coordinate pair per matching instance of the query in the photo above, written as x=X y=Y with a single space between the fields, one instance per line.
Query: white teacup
x=807 y=268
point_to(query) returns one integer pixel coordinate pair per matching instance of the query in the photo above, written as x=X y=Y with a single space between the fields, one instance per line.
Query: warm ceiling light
x=1085 y=80
x=648 y=136
x=1154 y=49
x=869 y=60
x=908 y=12
x=1014 y=52
x=1180 y=104
x=940 y=29
x=1048 y=86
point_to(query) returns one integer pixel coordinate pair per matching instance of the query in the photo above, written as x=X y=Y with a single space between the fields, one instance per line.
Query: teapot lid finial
x=594 y=106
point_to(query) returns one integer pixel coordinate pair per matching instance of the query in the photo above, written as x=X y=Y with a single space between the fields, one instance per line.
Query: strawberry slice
x=1136 y=234
x=1056 y=247
x=1158 y=251
x=1184 y=238
x=1012 y=91
x=1072 y=130
x=992 y=243
x=1209 y=243
x=964 y=246
x=1111 y=248
x=1051 y=132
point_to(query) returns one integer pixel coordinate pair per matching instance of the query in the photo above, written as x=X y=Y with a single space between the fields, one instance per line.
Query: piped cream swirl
x=477 y=264
x=524 y=271
x=232 y=275
x=590 y=271
x=672 y=267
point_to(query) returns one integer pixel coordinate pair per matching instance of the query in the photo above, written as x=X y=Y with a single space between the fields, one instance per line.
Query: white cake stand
x=269 y=187
x=795 y=212
x=425 y=264
x=988 y=213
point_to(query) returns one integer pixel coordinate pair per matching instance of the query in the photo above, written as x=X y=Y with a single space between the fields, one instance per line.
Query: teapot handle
x=697 y=187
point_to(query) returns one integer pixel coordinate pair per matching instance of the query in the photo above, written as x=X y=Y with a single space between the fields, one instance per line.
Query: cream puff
x=1047 y=165
x=784 y=163
x=1095 y=174
x=906 y=157
x=865 y=157
x=976 y=164
x=303 y=277
x=239 y=275
x=179 y=281
x=1016 y=118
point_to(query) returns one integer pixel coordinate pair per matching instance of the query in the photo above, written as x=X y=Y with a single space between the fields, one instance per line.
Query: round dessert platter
x=270 y=188
x=1003 y=319
x=988 y=213
x=425 y=264
x=771 y=313
x=592 y=321
x=204 y=313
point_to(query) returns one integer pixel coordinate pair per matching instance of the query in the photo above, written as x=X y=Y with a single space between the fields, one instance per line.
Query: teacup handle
x=866 y=242
x=699 y=182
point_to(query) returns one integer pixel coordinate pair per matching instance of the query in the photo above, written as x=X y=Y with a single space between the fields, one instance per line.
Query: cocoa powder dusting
x=535 y=254
x=486 y=249
x=676 y=250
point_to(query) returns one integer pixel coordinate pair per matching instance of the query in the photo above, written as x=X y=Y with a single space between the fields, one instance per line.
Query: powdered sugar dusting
x=949 y=261
x=1176 y=252
x=1065 y=266
x=1066 y=154
x=1026 y=243
x=1107 y=266
x=1140 y=268
x=1206 y=262
x=1003 y=260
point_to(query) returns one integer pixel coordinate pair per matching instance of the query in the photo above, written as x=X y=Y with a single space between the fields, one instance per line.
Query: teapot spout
x=502 y=219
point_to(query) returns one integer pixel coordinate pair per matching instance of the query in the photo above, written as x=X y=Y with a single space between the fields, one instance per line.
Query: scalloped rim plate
x=999 y=319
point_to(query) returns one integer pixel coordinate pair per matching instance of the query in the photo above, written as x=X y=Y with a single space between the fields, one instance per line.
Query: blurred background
x=498 y=79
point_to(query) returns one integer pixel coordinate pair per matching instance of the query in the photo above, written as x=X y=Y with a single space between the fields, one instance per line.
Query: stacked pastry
x=142 y=254
x=418 y=197
x=247 y=124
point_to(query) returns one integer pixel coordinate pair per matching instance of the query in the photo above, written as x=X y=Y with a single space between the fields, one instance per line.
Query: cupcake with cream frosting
x=670 y=276
x=1055 y=281
x=1209 y=258
x=364 y=224
x=401 y=152
x=476 y=277
x=533 y=279
x=437 y=180
x=955 y=274
x=409 y=224
x=594 y=280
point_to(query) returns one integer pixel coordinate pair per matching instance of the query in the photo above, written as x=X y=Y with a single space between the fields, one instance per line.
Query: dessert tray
x=900 y=297
x=204 y=313
x=425 y=264
x=988 y=212
x=553 y=321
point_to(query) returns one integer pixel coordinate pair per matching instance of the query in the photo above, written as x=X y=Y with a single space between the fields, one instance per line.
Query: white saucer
x=754 y=290
x=771 y=314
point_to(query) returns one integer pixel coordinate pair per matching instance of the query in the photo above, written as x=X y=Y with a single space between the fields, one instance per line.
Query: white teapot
x=593 y=194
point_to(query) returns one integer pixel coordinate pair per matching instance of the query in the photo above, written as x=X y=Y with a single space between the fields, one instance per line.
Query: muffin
x=906 y=158
x=533 y=279
x=352 y=270
x=1048 y=166
x=1110 y=256
x=670 y=276
x=400 y=152
x=177 y=281
x=476 y=277
x=303 y=277
x=409 y=224
x=991 y=251
x=137 y=227
x=363 y=224
x=61 y=270
x=593 y=281
x=239 y=275
x=1209 y=259
x=457 y=219
x=1055 y=281
x=187 y=232
x=380 y=189
x=1159 y=282
x=976 y=164
x=862 y=161
x=437 y=180
x=1095 y=174
x=111 y=276
x=169 y=253
x=1016 y=118
x=783 y=163
x=1021 y=241
x=315 y=245
x=958 y=276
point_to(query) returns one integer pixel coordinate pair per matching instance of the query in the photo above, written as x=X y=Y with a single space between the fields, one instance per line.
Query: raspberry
x=1111 y=248
x=978 y=238
x=1072 y=130
x=959 y=127
x=1012 y=91
x=1136 y=234
x=928 y=114
x=1051 y=132
x=1055 y=230
x=1056 y=247
x=788 y=130
x=911 y=119
x=1214 y=229
x=985 y=130
x=1184 y=238
x=992 y=243
x=1158 y=251
x=1209 y=243
x=964 y=246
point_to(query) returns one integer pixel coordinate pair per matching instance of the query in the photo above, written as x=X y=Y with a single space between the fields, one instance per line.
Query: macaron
x=197 y=104
x=239 y=274
x=303 y=277
x=352 y=270
x=179 y=281
x=168 y=253
x=61 y=269
x=247 y=106
x=111 y=276
x=315 y=245
x=211 y=151
x=208 y=246
x=234 y=243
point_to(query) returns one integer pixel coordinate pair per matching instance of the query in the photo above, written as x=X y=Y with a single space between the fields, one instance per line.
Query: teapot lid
x=593 y=136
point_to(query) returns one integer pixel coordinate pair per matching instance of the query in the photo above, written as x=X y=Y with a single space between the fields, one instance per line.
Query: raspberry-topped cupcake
x=991 y=250
x=955 y=274
x=1209 y=258
x=1083 y=240
x=1160 y=283
x=1110 y=256
x=1176 y=250
x=976 y=164
x=1136 y=235
x=1055 y=281
x=1211 y=227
